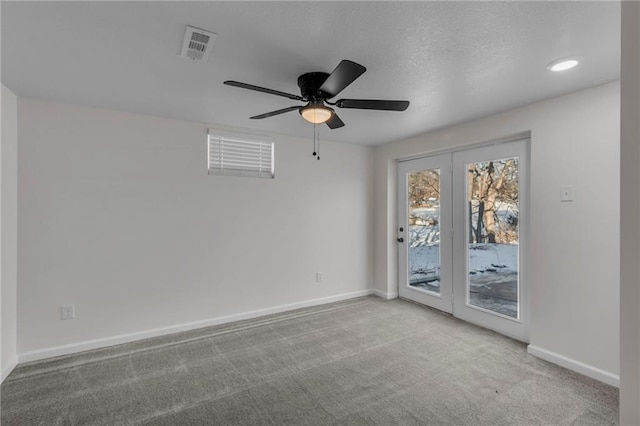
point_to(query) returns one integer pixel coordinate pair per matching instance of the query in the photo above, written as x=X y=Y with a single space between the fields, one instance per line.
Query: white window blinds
x=240 y=155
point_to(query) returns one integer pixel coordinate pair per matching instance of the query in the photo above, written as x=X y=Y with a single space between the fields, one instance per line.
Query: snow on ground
x=424 y=261
x=493 y=270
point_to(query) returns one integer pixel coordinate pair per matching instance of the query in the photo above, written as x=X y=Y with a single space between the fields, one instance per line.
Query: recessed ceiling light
x=563 y=64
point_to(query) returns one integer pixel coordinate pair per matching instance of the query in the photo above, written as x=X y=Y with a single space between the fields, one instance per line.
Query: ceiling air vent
x=197 y=44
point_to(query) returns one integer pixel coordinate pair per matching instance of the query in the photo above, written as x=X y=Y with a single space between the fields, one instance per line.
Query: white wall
x=9 y=248
x=574 y=247
x=630 y=217
x=119 y=217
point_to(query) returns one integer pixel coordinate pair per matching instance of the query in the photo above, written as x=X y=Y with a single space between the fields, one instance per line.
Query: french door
x=461 y=229
x=425 y=222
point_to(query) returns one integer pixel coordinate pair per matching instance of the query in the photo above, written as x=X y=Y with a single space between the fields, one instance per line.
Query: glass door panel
x=492 y=250
x=423 y=192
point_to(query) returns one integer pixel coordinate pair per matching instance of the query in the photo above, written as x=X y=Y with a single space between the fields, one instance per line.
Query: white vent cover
x=197 y=44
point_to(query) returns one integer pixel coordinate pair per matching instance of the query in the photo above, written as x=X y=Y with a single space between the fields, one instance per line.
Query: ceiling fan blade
x=373 y=104
x=334 y=122
x=272 y=113
x=345 y=73
x=263 y=89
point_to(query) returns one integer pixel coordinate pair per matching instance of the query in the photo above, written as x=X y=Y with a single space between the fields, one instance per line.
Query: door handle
x=401 y=240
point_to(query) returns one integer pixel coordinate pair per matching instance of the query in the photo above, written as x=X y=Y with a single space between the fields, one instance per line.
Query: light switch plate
x=67 y=312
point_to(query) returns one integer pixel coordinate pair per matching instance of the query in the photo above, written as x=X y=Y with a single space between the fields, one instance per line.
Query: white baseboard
x=8 y=369
x=385 y=295
x=131 y=337
x=577 y=366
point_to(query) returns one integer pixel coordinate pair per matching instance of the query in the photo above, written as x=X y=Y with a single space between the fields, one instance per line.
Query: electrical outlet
x=318 y=277
x=67 y=312
x=566 y=193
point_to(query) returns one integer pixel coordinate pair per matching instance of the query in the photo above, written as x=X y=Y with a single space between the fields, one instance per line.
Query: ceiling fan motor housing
x=310 y=83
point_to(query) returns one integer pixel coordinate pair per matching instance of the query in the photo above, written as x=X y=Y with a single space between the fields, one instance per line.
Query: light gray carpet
x=362 y=361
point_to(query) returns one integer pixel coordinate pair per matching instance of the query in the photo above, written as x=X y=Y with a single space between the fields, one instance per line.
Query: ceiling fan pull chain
x=314 y=139
x=318 y=143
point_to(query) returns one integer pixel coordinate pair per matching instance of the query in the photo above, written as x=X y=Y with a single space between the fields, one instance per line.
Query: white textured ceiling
x=454 y=61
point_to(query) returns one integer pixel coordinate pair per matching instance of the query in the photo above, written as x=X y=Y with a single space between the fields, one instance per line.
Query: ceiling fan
x=316 y=88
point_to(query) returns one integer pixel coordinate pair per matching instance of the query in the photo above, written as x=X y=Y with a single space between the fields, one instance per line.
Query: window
x=240 y=154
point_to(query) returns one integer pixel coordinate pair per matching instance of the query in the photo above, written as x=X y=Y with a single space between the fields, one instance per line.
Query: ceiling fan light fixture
x=316 y=114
